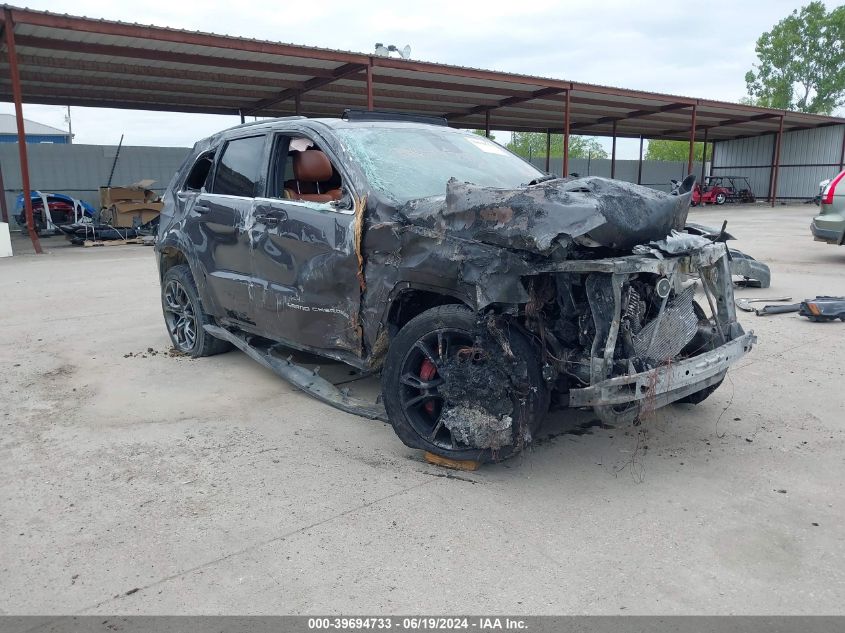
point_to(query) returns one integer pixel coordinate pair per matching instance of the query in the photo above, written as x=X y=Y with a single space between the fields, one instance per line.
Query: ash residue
x=150 y=352
x=476 y=427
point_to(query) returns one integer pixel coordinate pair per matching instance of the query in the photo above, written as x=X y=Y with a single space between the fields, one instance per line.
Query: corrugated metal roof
x=9 y=125
x=69 y=60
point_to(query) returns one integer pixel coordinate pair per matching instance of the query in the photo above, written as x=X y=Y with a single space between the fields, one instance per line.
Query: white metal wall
x=78 y=170
x=806 y=158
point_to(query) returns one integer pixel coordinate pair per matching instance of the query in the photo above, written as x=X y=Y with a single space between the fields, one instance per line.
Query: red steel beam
x=548 y=149
x=640 y=163
x=691 y=140
x=468 y=73
x=704 y=155
x=111 y=99
x=58 y=81
x=776 y=163
x=613 y=154
x=86 y=68
x=9 y=29
x=311 y=84
x=83 y=99
x=725 y=123
x=509 y=101
x=636 y=114
x=430 y=84
x=155 y=33
x=566 y=128
x=842 y=151
x=194 y=59
x=712 y=158
x=370 y=98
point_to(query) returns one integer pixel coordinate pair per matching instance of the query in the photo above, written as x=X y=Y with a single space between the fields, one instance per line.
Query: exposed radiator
x=667 y=334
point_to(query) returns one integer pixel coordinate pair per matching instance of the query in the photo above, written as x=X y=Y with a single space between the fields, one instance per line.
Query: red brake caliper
x=427 y=372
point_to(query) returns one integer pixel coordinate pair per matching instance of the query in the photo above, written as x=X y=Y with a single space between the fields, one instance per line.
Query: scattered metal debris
x=777 y=309
x=744 y=303
x=823 y=308
x=754 y=273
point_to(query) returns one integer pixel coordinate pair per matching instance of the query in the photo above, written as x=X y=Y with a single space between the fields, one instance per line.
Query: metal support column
x=842 y=151
x=548 y=149
x=297 y=104
x=776 y=163
x=16 y=94
x=487 y=123
x=691 y=158
x=613 y=154
x=640 y=163
x=566 y=137
x=712 y=157
x=243 y=118
x=370 y=104
x=704 y=156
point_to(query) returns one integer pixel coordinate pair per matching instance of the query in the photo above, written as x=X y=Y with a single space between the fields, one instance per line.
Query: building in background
x=35 y=132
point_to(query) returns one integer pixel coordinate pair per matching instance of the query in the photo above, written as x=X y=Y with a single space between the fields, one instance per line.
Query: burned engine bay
x=597 y=272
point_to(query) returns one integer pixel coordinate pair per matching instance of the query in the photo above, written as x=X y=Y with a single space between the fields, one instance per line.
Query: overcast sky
x=696 y=50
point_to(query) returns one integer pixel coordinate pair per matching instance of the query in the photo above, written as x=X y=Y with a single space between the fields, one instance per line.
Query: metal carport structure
x=48 y=58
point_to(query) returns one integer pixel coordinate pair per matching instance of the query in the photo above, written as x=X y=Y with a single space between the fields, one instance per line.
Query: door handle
x=201 y=209
x=272 y=218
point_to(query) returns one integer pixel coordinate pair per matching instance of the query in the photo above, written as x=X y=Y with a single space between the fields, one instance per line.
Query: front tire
x=721 y=198
x=185 y=317
x=463 y=390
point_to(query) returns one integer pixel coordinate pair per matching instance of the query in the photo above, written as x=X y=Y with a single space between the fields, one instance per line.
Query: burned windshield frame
x=407 y=162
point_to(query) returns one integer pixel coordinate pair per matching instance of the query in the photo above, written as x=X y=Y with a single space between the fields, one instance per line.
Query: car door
x=219 y=220
x=305 y=258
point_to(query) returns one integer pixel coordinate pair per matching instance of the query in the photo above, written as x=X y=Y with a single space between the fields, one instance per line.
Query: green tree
x=533 y=144
x=801 y=62
x=480 y=133
x=672 y=150
x=584 y=147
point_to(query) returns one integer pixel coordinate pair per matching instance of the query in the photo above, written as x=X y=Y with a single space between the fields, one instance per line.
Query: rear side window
x=199 y=172
x=239 y=169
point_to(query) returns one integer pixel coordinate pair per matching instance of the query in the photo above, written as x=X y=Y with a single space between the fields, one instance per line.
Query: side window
x=198 y=175
x=302 y=171
x=239 y=168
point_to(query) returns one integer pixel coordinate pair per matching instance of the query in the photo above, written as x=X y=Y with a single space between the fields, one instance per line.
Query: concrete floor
x=135 y=482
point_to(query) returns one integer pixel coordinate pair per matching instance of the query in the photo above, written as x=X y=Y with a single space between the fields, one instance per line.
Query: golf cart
x=722 y=189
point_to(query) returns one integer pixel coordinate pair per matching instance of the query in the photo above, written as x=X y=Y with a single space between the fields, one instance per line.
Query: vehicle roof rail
x=273 y=120
x=351 y=114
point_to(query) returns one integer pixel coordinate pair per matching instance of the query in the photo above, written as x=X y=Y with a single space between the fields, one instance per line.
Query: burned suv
x=482 y=289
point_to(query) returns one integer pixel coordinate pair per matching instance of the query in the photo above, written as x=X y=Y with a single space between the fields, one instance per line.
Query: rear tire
x=721 y=198
x=447 y=383
x=185 y=317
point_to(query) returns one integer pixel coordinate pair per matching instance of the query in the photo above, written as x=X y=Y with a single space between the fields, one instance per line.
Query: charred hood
x=544 y=217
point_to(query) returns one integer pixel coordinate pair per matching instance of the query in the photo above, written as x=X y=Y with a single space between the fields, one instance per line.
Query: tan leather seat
x=310 y=168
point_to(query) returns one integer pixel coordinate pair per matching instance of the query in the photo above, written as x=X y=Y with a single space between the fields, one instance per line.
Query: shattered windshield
x=406 y=163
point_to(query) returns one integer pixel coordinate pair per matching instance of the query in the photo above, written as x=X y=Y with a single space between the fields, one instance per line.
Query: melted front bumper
x=666 y=383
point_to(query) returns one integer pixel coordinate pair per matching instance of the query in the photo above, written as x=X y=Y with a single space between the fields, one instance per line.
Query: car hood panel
x=540 y=218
